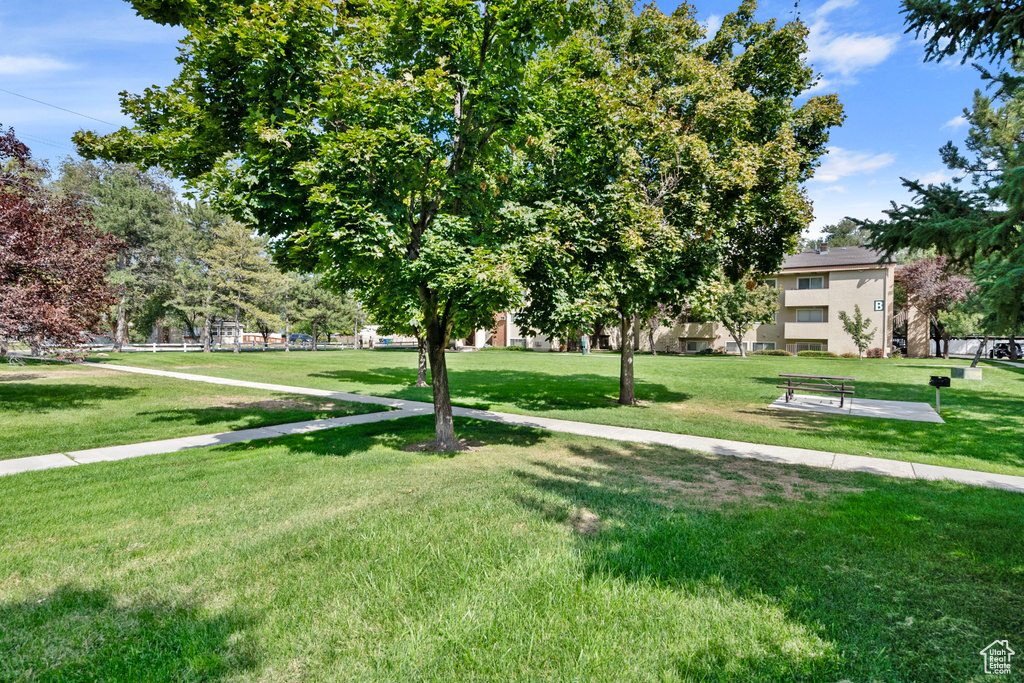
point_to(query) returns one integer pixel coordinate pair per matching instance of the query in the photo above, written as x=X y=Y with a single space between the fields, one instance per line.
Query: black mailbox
x=939 y=382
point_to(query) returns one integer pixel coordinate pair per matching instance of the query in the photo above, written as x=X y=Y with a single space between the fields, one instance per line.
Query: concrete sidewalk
x=401 y=409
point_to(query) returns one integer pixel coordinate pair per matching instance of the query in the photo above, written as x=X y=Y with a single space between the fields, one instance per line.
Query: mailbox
x=939 y=382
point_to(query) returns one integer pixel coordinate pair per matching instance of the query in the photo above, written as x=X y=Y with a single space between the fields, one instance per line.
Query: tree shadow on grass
x=905 y=580
x=254 y=414
x=76 y=634
x=18 y=397
x=398 y=434
x=532 y=391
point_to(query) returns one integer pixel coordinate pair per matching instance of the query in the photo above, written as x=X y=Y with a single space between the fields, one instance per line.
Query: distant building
x=814 y=286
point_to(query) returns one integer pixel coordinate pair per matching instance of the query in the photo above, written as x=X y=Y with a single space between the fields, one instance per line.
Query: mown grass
x=55 y=407
x=339 y=556
x=723 y=397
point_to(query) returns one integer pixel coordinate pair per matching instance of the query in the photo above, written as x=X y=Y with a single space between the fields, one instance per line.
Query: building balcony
x=805 y=297
x=806 y=331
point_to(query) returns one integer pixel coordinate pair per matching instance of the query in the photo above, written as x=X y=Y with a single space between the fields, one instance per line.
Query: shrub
x=848 y=355
x=875 y=353
x=718 y=351
x=517 y=347
x=817 y=354
x=771 y=352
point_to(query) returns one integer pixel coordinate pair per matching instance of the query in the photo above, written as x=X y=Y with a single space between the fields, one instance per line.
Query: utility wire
x=76 y=113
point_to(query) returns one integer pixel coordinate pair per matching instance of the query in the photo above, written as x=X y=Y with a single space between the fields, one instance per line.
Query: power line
x=76 y=113
x=46 y=141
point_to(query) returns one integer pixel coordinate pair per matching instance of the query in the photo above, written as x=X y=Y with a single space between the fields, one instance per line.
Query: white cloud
x=822 y=84
x=840 y=56
x=848 y=53
x=835 y=188
x=935 y=177
x=20 y=66
x=713 y=23
x=956 y=122
x=831 y=6
x=841 y=163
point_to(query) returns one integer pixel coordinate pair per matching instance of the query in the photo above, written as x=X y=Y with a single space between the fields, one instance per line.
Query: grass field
x=55 y=407
x=724 y=397
x=342 y=556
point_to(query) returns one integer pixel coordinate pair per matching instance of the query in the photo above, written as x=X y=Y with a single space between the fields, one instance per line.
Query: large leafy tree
x=742 y=305
x=53 y=261
x=845 y=233
x=669 y=157
x=140 y=209
x=368 y=139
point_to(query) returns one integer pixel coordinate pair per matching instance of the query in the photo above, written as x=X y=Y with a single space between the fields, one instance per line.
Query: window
x=694 y=346
x=810 y=315
x=810 y=346
x=810 y=282
x=764 y=346
x=773 y=283
x=730 y=347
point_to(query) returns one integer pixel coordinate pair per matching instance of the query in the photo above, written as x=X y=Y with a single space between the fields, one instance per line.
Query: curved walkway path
x=401 y=408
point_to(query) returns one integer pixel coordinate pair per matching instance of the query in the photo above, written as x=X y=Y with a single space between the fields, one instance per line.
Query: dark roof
x=835 y=256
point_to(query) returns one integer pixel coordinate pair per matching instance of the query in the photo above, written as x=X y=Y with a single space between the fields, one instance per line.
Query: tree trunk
x=122 y=323
x=238 y=332
x=977 y=354
x=444 y=426
x=738 y=338
x=650 y=338
x=313 y=323
x=421 y=373
x=3 y=346
x=207 y=333
x=35 y=346
x=945 y=347
x=287 y=334
x=1013 y=347
x=627 y=396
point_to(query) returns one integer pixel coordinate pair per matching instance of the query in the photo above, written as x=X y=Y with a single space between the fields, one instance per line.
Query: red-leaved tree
x=932 y=287
x=53 y=262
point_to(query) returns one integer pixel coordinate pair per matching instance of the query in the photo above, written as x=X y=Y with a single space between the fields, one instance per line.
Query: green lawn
x=722 y=397
x=55 y=407
x=341 y=556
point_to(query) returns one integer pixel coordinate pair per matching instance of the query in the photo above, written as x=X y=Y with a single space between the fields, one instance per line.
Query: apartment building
x=814 y=286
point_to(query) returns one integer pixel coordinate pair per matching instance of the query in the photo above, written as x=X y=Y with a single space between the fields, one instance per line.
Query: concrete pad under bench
x=861 y=407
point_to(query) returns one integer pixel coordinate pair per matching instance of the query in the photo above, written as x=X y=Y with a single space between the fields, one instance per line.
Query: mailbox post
x=938 y=382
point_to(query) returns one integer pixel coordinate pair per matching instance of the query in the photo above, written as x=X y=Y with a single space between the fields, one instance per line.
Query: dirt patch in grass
x=585 y=522
x=704 y=480
x=732 y=484
x=271 y=405
x=431 y=446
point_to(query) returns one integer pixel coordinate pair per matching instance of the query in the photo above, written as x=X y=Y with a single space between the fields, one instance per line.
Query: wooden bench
x=824 y=384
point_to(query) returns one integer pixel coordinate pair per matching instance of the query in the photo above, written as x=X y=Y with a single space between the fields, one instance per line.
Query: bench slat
x=822 y=391
x=848 y=379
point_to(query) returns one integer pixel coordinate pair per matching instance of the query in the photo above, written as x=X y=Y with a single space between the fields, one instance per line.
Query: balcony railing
x=807 y=346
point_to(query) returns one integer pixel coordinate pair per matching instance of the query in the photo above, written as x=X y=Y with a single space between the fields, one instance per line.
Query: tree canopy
x=53 y=261
x=662 y=158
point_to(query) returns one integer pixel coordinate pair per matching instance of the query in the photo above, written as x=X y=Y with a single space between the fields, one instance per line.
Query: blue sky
x=80 y=55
